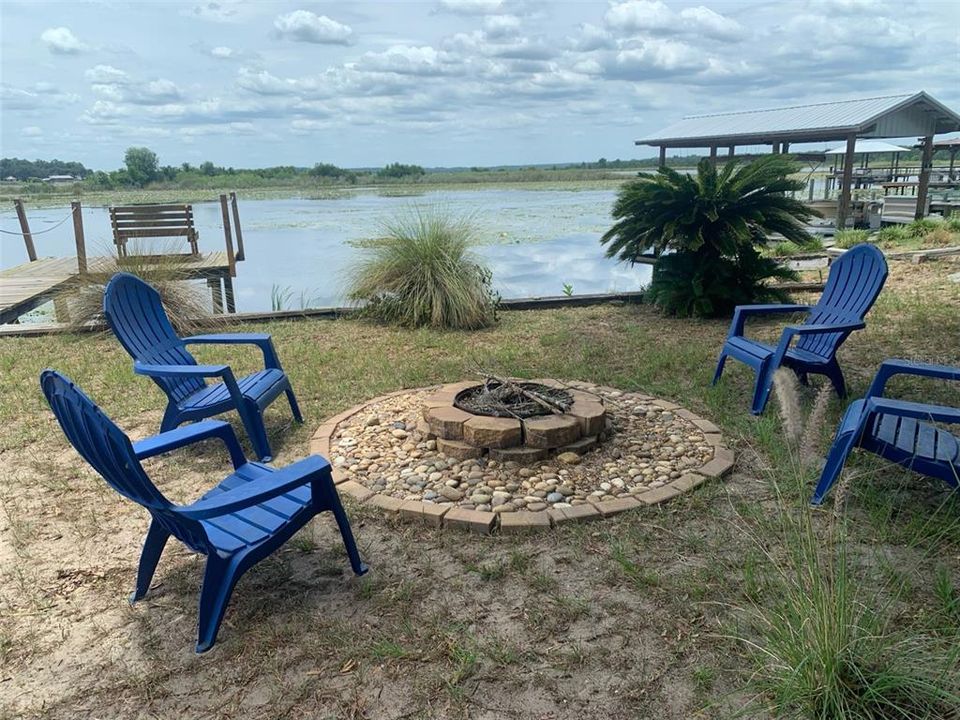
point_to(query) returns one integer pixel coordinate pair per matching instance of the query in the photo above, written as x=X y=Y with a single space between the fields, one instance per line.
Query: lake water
x=534 y=241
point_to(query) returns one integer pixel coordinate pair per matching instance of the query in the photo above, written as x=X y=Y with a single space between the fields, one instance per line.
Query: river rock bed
x=387 y=449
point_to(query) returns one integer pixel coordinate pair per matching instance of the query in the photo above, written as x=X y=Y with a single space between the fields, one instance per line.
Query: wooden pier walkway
x=26 y=287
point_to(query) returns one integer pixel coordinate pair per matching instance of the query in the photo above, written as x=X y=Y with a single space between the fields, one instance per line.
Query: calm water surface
x=534 y=241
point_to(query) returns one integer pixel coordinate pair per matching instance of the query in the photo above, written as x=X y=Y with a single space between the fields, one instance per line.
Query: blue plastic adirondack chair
x=853 y=285
x=136 y=316
x=900 y=431
x=254 y=511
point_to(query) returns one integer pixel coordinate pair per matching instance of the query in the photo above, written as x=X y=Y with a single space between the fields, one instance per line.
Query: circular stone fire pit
x=471 y=420
x=430 y=455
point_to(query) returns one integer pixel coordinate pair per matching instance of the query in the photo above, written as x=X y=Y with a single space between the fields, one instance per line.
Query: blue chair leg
x=721 y=361
x=252 y=417
x=326 y=497
x=294 y=407
x=839 y=451
x=170 y=420
x=835 y=374
x=761 y=389
x=219 y=579
x=152 y=549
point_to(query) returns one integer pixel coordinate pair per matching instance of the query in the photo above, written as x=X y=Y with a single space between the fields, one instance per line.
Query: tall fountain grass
x=160 y=264
x=823 y=647
x=420 y=271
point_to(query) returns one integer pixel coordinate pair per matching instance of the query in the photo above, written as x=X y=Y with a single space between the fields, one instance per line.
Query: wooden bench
x=152 y=221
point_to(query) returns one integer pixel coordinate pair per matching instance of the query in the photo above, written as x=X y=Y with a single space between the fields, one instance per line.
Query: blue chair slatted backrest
x=135 y=313
x=108 y=450
x=855 y=281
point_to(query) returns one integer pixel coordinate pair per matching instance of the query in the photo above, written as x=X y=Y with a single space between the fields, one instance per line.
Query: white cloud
x=704 y=21
x=653 y=16
x=472 y=7
x=222 y=52
x=305 y=26
x=62 y=41
x=639 y=15
x=501 y=26
x=106 y=74
x=408 y=60
x=41 y=97
x=655 y=58
x=32 y=131
x=105 y=112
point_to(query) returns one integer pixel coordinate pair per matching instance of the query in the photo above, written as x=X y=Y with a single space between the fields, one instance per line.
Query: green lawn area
x=643 y=615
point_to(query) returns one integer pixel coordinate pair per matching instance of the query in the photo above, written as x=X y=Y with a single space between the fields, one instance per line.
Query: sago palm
x=716 y=212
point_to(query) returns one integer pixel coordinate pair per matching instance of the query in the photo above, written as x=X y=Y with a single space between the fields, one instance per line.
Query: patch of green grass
x=848 y=238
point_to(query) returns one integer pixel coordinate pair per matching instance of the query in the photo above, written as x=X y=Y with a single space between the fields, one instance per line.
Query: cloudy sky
x=446 y=82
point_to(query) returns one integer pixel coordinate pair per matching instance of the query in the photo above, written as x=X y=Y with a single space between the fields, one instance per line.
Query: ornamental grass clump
x=707 y=230
x=421 y=272
x=823 y=646
x=186 y=302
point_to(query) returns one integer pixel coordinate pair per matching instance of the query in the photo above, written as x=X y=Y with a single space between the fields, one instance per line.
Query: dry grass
x=621 y=619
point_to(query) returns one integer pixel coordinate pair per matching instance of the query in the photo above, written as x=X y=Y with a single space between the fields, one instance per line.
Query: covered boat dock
x=893 y=116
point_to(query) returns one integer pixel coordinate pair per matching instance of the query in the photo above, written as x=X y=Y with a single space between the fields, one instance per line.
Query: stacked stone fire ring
x=418 y=455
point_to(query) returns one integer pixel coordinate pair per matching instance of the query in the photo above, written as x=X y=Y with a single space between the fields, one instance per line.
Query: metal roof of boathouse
x=877 y=117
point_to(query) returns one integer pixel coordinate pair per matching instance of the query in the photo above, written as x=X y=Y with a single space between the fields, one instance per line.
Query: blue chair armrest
x=261 y=340
x=221 y=371
x=141 y=368
x=257 y=491
x=889 y=368
x=920 y=411
x=741 y=313
x=820 y=328
x=189 y=434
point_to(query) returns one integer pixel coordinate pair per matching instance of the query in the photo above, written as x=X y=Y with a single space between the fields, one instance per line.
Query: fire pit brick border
x=486 y=523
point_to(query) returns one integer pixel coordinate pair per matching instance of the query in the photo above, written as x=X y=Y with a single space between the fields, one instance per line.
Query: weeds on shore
x=822 y=647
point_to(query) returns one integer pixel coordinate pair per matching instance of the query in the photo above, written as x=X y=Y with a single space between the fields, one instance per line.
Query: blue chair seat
x=745 y=350
x=238 y=523
x=262 y=387
x=253 y=525
x=899 y=431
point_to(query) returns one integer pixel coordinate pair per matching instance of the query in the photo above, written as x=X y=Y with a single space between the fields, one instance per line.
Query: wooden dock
x=26 y=287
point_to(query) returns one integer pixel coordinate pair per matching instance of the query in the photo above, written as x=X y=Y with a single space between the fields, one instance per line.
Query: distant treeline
x=39 y=169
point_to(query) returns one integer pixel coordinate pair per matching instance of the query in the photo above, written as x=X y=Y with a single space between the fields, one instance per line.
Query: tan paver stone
x=458 y=450
x=581 y=446
x=426 y=513
x=582 y=513
x=658 y=495
x=355 y=490
x=524 y=521
x=492 y=432
x=614 y=507
x=700 y=422
x=592 y=416
x=472 y=520
x=688 y=482
x=720 y=465
x=447 y=422
x=385 y=502
x=522 y=455
x=551 y=431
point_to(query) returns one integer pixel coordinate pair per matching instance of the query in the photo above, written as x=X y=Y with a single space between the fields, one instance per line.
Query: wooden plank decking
x=26 y=287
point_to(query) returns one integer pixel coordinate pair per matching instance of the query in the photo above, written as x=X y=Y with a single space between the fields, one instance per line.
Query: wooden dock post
x=236 y=227
x=25 y=229
x=843 y=209
x=216 y=294
x=923 y=184
x=227 y=236
x=78 y=236
x=228 y=294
